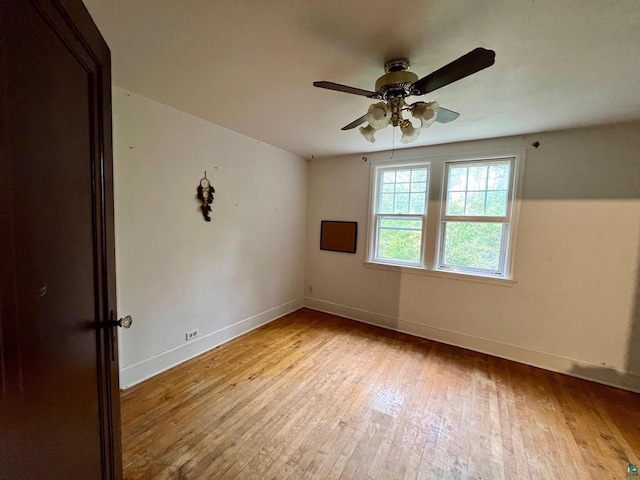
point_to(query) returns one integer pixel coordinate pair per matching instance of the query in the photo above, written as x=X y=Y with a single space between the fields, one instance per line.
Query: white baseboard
x=150 y=367
x=548 y=361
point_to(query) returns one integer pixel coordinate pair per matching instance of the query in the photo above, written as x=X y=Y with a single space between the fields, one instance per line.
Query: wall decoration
x=205 y=195
x=338 y=236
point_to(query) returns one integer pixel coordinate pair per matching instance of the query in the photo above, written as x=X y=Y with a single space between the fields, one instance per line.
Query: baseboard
x=548 y=361
x=150 y=367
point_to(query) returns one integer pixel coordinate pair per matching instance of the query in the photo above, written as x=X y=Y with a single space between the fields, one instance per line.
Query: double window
x=446 y=215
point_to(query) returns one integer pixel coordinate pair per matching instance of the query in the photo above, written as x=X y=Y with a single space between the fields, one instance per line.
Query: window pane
x=403 y=176
x=419 y=175
x=473 y=245
x=401 y=245
x=457 y=178
x=455 y=203
x=403 y=191
x=498 y=177
x=401 y=204
x=416 y=204
x=496 y=203
x=475 y=203
x=419 y=187
x=401 y=223
x=402 y=187
x=486 y=187
x=389 y=177
x=477 y=178
x=386 y=203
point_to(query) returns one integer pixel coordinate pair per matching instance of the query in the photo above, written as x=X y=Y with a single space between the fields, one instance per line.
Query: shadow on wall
x=633 y=348
x=630 y=379
x=607 y=376
x=617 y=180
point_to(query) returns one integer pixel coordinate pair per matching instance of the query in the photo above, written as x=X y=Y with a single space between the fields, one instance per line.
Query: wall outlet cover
x=192 y=334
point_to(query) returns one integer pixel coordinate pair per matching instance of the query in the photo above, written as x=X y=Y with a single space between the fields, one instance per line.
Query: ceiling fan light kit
x=398 y=83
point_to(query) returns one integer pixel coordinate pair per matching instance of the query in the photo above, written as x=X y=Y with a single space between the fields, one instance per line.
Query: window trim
x=432 y=236
x=505 y=257
x=374 y=195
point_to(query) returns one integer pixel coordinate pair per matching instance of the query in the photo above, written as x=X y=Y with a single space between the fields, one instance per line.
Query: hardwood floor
x=317 y=396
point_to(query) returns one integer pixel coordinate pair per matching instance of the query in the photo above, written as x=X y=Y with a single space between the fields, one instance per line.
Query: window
x=400 y=214
x=448 y=214
x=475 y=225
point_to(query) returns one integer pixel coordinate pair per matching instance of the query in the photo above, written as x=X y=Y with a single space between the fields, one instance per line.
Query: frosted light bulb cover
x=425 y=112
x=368 y=132
x=409 y=132
x=379 y=115
x=428 y=114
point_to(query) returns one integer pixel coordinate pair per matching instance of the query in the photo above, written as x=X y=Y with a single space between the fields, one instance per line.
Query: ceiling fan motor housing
x=397 y=81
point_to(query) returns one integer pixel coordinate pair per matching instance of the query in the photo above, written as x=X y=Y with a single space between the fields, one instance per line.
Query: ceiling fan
x=398 y=83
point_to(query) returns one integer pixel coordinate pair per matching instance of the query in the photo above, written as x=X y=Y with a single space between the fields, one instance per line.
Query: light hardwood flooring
x=317 y=396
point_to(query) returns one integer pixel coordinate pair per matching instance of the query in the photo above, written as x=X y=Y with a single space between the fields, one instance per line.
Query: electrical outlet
x=192 y=334
x=310 y=289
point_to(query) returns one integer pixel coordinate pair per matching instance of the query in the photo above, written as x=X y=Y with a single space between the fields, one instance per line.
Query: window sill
x=465 y=277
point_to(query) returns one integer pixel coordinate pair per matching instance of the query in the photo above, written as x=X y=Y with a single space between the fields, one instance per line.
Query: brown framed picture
x=338 y=236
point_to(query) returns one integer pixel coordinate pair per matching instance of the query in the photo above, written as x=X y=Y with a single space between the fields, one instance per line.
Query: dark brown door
x=59 y=410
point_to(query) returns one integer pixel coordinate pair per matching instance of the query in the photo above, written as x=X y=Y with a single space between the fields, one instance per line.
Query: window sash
x=503 y=256
x=399 y=216
x=506 y=218
x=379 y=192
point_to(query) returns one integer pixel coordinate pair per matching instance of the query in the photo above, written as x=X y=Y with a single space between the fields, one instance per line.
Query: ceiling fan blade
x=468 y=64
x=346 y=89
x=446 y=116
x=355 y=123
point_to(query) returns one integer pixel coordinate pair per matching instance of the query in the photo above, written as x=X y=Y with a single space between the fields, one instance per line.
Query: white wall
x=176 y=272
x=575 y=306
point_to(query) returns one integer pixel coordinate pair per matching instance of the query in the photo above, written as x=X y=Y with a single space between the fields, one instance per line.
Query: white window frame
x=435 y=216
x=378 y=171
x=506 y=219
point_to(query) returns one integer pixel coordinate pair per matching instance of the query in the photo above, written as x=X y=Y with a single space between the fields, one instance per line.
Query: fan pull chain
x=393 y=143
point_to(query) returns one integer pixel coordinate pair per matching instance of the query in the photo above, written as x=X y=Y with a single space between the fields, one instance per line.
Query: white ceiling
x=248 y=65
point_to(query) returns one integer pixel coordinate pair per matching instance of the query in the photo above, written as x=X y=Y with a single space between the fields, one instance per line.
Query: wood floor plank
x=315 y=396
